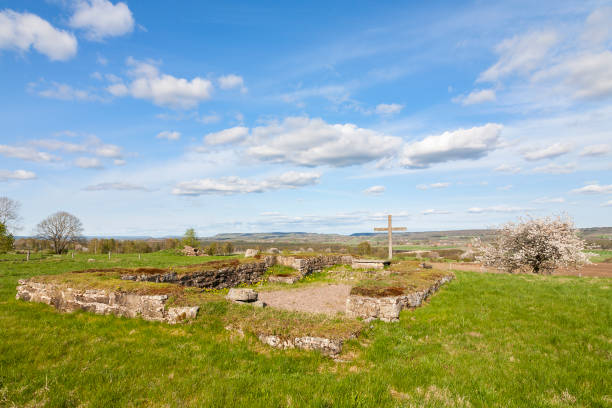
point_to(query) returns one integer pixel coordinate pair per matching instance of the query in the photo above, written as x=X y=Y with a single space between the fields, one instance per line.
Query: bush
x=6 y=239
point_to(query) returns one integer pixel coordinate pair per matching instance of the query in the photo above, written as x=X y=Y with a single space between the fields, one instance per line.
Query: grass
x=603 y=255
x=487 y=340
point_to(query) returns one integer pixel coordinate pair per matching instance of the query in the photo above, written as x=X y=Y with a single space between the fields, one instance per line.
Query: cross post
x=390 y=230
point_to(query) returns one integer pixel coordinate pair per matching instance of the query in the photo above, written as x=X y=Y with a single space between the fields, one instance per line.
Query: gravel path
x=329 y=299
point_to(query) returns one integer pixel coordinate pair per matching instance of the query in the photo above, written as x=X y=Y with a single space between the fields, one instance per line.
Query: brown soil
x=603 y=270
x=327 y=299
x=378 y=292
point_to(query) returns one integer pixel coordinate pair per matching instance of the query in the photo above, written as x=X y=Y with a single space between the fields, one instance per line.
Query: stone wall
x=306 y=266
x=224 y=277
x=149 y=307
x=388 y=308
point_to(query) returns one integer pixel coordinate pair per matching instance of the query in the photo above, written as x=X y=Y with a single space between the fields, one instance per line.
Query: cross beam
x=390 y=230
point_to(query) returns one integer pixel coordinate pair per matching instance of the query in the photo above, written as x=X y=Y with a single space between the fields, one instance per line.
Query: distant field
x=422 y=247
x=602 y=255
x=484 y=340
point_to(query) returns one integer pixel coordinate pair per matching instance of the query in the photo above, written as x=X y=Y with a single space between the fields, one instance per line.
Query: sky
x=150 y=117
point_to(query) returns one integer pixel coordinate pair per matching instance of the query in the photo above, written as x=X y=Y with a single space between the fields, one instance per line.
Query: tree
x=213 y=249
x=540 y=245
x=364 y=248
x=9 y=213
x=6 y=239
x=190 y=238
x=61 y=229
x=228 y=248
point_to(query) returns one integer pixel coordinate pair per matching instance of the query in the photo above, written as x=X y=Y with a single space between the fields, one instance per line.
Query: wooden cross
x=390 y=230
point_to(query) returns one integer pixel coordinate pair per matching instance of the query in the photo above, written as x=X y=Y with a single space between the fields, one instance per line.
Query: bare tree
x=9 y=213
x=61 y=229
x=540 y=245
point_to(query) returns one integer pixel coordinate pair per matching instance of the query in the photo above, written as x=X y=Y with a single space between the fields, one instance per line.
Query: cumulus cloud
x=547 y=200
x=162 y=89
x=374 y=190
x=237 y=185
x=119 y=186
x=88 y=163
x=26 y=153
x=597 y=27
x=432 y=185
x=594 y=189
x=22 y=31
x=232 y=81
x=460 y=144
x=108 y=150
x=595 y=150
x=552 y=151
x=65 y=92
x=506 y=168
x=431 y=211
x=520 y=54
x=231 y=135
x=101 y=18
x=168 y=135
x=389 y=108
x=92 y=145
x=554 y=168
x=6 y=175
x=476 y=96
x=496 y=209
x=312 y=142
x=52 y=144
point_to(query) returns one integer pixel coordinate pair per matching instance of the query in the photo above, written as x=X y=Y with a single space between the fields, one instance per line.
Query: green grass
x=490 y=340
x=422 y=247
x=603 y=255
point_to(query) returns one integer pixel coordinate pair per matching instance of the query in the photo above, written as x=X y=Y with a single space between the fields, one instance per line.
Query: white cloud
x=162 y=89
x=230 y=135
x=520 y=54
x=20 y=31
x=101 y=18
x=505 y=188
x=232 y=81
x=546 y=200
x=66 y=92
x=108 y=150
x=119 y=162
x=26 y=153
x=461 y=144
x=554 y=168
x=52 y=144
x=552 y=151
x=595 y=150
x=506 y=168
x=476 y=96
x=211 y=118
x=598 y=28
x=237 y=185
x=431 y=211
x=594 y=189
x=496 y=209
x=6 y=175
x=389 y=109
x=432 y=185
x=374 y=190
x=312 y=142
x=120 y=186
x=169 y=135
x=88 y=163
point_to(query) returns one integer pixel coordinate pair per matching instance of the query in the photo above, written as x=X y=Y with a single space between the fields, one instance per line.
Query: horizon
x=144 y=119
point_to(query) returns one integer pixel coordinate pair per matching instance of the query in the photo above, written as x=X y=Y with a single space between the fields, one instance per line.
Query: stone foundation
x=326 y=346
x=306 y=266
x=369 y=264
x=224 y=277
x=388 y=308
x=148 y=307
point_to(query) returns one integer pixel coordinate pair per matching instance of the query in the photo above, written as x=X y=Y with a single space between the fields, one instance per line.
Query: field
x=484 y=340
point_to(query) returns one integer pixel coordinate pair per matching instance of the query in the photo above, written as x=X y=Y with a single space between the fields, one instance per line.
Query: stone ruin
x=226 y=275
x=191 y=251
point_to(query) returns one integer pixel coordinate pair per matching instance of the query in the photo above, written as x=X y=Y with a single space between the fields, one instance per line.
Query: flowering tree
x=540 y=245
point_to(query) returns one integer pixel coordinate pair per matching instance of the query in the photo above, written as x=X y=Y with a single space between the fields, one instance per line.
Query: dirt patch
x=326 y=299
x=378 y=292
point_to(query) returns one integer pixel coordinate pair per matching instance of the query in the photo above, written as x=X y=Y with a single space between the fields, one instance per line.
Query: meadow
x=484 y=340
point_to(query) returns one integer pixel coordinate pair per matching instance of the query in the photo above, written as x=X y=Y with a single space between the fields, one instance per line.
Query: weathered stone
x=330 y=347
x=259 y=303
x=148 y=307
x=369 y=263
x=274 y=251
x=306 y=266
x=251 y=253
x=241 y=295
x=191 y=251
x=388 y=308
x=425 y=266
x=283 y=279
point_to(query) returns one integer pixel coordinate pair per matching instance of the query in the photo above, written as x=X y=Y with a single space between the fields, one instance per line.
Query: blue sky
x=149 y=117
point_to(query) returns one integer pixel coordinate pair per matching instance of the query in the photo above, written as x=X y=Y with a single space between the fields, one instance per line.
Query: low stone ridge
x=242 y=295
x=308 y=265
x=148 y=307
x=223 y=277
x=370 y=263
x=249 y=253
x=191 y=251
x=388 y=308
x=288 y=279
x=329 y=347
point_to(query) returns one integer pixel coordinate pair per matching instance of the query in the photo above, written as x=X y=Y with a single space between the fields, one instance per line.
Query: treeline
x=100 y=245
